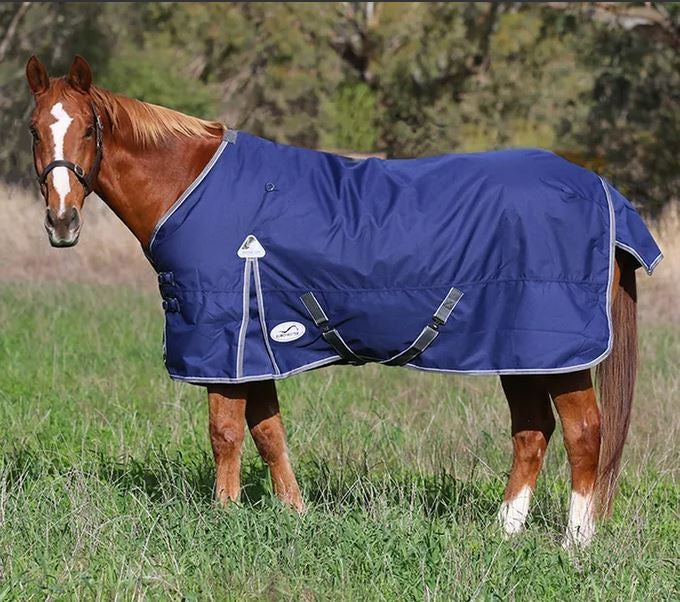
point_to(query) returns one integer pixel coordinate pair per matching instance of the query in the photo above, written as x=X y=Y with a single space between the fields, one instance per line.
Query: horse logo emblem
x=287 y=332
x=251 y=247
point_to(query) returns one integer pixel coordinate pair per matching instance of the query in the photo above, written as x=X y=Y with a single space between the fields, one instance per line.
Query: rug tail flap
x=631 y=233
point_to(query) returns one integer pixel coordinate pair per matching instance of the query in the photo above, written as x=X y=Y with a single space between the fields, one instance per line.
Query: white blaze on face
x=60 y=177
x=513 y=513
x=581 y=526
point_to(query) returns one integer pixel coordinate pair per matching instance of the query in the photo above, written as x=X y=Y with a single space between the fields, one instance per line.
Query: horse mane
x=151 y=124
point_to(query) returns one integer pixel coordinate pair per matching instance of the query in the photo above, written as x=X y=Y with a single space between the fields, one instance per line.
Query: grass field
x=106 y=477
x=106 y=472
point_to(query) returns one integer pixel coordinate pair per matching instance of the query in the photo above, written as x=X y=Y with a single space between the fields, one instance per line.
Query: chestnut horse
x=140 y=157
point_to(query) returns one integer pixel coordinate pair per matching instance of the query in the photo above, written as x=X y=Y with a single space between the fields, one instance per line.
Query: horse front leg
x=266 y=427
x=227 y=409
x=574 y=398
x=533 y=423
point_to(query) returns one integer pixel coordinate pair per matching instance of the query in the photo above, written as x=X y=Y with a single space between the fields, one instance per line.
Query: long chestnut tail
x=616 y=376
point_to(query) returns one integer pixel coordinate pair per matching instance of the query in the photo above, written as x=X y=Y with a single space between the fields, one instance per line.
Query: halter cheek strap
x=87 y=181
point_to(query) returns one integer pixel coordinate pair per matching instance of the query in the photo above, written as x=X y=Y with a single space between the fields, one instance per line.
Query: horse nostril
x=49 y=217
x=75 y=218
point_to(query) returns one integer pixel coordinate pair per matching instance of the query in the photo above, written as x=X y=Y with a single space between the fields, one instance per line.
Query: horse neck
x=141 y=184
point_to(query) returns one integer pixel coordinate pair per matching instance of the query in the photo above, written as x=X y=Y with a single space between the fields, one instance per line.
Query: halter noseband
x=86 y=180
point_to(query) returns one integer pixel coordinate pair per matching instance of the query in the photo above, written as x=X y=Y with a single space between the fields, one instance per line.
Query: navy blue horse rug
x=278 y=260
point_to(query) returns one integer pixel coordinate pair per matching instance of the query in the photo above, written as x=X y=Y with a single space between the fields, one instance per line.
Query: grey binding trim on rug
x=648 y=268
x=203 y=380
x=228 y=137
x=655 y=263
x=260 y=310
x=240 y=349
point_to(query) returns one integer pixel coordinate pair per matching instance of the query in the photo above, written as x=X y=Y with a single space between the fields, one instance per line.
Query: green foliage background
x=600 y=84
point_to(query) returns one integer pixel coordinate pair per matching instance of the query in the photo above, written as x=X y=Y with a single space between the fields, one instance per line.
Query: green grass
x=106 y=478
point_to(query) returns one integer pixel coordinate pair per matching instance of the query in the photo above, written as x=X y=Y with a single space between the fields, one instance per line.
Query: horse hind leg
x=532 y=425
x=574 y=398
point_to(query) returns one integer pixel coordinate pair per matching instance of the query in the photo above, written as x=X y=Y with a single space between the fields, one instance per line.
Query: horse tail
x=616 y=376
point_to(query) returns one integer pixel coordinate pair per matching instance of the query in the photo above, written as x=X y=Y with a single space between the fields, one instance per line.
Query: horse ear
x=80 y=74
x=37 y=77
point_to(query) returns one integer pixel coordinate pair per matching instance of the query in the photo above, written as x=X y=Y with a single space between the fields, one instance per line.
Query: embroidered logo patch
x=251 y=247
x=287 y=332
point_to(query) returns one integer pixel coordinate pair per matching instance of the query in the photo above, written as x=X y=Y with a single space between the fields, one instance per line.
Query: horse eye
x=34 y=134
x=88 y=132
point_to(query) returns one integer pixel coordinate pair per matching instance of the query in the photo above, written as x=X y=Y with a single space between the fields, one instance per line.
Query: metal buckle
x=170 y=304
x=78 y=171
x=166 y=278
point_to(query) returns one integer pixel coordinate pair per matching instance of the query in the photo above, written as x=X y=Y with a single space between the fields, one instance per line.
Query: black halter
x=86 y=180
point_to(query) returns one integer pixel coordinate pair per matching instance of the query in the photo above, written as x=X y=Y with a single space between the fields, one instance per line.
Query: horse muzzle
x=63 y=229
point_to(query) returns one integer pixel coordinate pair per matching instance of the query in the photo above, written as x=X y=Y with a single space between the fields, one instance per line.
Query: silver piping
x=209 y=379
x=204 y=172
x=648 y=268
x=240 y=349
x=260 y=310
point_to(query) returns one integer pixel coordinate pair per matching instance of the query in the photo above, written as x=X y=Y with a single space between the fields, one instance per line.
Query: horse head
x=67 y=145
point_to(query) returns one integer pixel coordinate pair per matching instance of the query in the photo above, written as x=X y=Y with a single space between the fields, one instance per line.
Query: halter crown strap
x=87 y=181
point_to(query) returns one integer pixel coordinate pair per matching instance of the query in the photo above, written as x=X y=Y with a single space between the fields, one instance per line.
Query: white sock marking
x=60 y=177
x=581 y=526
x=513 y=513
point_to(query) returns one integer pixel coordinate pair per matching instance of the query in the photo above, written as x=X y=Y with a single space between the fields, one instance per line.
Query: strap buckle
x=437 y=322
x=170 y=305
x=330 y=335
x=166 y=278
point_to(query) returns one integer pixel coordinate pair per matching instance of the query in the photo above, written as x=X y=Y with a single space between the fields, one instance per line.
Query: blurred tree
x=596 y=81
x=633 y=105
x=56 y=32
x=349 y=118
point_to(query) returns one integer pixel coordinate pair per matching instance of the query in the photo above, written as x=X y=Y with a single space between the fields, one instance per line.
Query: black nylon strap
x=425 y=338
x=446 y=308
x=330 y=335
x=422 y=342
x=430 y=332
x=315 y=311
x=74 y=167
x=334 y=339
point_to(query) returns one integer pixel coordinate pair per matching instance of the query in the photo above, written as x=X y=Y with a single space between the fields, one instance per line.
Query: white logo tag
x=287 y=332
x=251 y=247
